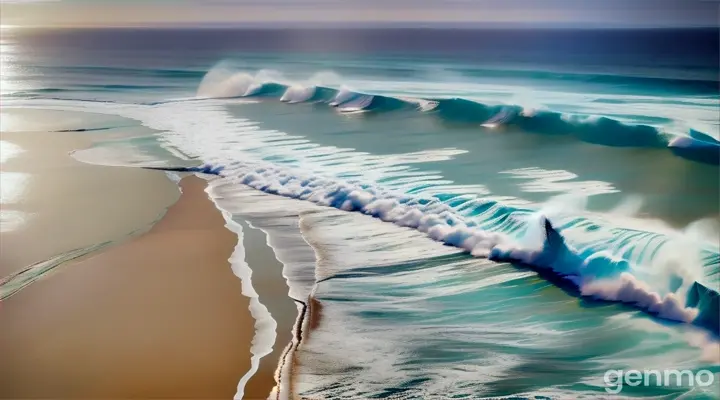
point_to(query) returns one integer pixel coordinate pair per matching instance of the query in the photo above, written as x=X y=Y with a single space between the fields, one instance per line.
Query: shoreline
x=272 y=292
x=161 y=315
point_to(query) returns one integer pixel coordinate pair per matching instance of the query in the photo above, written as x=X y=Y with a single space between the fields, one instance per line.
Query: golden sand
x=54 y=204
x=160 y=316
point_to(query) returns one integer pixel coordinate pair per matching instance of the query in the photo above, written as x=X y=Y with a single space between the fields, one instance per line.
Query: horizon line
x=364 y=24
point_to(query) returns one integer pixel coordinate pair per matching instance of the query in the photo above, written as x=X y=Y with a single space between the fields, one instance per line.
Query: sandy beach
x=156 y=314
x=161 y=316
x=52 y=203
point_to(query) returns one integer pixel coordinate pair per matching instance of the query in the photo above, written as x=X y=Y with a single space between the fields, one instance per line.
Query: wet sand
x=160 y=316
x=52 y=203
x=269 y=283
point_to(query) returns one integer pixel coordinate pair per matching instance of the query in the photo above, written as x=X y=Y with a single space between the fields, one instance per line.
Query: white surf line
x=284 y=367
x=265 y=325
x=259 y=212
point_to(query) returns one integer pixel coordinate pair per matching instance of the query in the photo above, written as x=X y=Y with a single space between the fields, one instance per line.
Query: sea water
x=459 y=213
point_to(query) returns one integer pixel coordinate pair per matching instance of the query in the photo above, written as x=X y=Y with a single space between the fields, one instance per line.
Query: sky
x=163 y=13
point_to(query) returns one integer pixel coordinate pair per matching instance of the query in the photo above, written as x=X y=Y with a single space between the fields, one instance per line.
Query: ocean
x=459 y=213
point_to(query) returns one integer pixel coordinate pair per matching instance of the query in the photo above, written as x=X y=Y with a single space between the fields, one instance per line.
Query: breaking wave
x=661 y=274
x=601 y=130
x=606 y=268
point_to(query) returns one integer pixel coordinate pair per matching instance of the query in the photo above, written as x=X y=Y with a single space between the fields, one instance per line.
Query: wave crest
x=659 y=285
x=223 y=82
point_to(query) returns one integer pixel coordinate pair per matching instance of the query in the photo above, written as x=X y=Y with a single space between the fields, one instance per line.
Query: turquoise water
x=460 y=219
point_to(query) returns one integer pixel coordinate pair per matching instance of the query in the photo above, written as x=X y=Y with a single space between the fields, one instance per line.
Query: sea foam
x=600 y=262
x=223 y=81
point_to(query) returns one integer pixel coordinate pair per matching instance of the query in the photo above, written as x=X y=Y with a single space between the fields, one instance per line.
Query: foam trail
x=597 y=274
x=628 y=289
x=265 y=325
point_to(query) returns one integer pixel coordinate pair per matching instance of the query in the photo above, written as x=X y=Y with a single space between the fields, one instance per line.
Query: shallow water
x=388 y=180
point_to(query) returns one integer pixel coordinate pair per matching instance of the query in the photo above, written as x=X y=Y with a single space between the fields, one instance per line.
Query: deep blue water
x=545 y=202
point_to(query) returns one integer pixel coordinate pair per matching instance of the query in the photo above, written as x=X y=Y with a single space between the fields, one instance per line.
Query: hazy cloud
x=614 y=13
